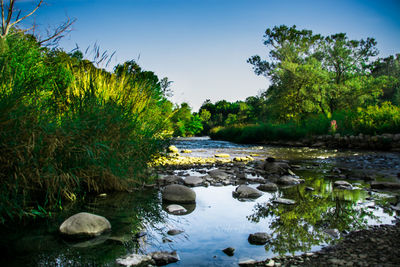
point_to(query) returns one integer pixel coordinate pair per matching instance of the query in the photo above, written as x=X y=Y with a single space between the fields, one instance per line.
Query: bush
x=68 y=129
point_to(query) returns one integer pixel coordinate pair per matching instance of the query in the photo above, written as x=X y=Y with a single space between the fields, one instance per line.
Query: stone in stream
x=84 y=225
x=244 y=191
x=275 y=167
x=170 y=179
x=178 y=194
x=259 y=238
x=186 y=151
x=222 y=155
x=248 y=262
x=268 y=187
x=176 y=209
x=218 y=174
x=289 y=180
x=342 y=185
x=135 y=260
x=175 y=232
x=284 y=201
x=164 y=257
x=230 y=251
x=193 y=181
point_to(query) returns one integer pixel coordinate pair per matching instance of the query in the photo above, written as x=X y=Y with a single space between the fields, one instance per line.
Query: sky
x=203 y=45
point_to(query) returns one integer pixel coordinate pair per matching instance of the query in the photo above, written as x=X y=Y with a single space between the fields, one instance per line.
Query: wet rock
x=284 y=201
x=385 y=185
x=244 y=191
x=135 y=260
x=222 y=155
x=289 y=180
x=173 y=149
x=259 y=238
x=178 y=194
x=185 y=151
x=193 y=181
x=230 y=251
x=164 y=257
x=175 y=232
x=268 y=187
x=309 y=188
x=84 y=225
x=176 y=209
x=243 y=159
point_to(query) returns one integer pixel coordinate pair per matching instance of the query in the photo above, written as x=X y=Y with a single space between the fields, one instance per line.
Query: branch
x=24 y=17
x=59 y=31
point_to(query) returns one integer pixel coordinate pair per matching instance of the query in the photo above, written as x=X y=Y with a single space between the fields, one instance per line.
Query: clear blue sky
x=203 y=45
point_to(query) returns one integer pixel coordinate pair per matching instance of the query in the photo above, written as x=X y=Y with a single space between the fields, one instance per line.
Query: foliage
x=69 y=128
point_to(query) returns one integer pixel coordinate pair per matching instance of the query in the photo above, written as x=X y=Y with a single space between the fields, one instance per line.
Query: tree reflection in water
x=301 y=226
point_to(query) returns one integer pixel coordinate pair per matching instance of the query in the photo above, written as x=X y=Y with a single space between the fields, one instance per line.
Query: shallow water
x=217 y=220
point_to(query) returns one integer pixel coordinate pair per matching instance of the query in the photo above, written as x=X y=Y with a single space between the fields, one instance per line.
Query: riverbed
x=217 y=220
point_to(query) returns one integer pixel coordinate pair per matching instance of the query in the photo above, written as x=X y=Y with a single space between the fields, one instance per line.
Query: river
x=140 y=223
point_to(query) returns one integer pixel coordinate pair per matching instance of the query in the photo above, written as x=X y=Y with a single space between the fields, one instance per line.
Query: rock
x=247 y=262
x=274 y=167
x=135 y=260
x=230 y=251
x=270 y=263
x=84 y=225
x=259 y=238
x=178 y=194
x=176 y=209
x=175 y=232
x=193 y=181
x=244 y=191
x=171 y=179
x=268 y=187
x=243 y=159
x=173 y=149
x=288 y=180
x=309 y=188
x=185 y=151
x=284 y=201
x=222 y=155
x=385 y=185
x=164 y=257
x=218 y=174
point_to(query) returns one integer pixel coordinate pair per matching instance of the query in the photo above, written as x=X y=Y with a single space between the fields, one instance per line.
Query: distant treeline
x=318 y=85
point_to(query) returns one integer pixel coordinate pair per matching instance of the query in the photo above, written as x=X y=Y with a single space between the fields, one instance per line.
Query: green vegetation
x=69 y=128
x=319 y=85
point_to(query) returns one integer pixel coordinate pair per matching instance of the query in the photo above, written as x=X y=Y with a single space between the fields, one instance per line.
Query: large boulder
x=84 y=225
x=176 y=193
x=275 y=167
x=218 y=174
x=244 y=191
x=170 y=179
x=193 y=181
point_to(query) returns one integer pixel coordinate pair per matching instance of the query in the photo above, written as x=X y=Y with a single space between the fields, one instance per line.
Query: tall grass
x=68 y=129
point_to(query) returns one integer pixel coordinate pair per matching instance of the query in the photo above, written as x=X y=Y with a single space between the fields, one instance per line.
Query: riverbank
x=376 y=246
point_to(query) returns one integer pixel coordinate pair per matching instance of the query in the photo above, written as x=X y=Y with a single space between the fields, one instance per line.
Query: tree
x=10 y=21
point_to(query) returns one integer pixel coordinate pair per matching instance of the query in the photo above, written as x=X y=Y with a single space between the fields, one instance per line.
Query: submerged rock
x=284 y=201
x=268 y=187
x=175 y=232
x=178 y=194
x=164 y=257
x=244 y=191
x=193 y=181
x=176 y=209
x=84 y=225
x=259 y=238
